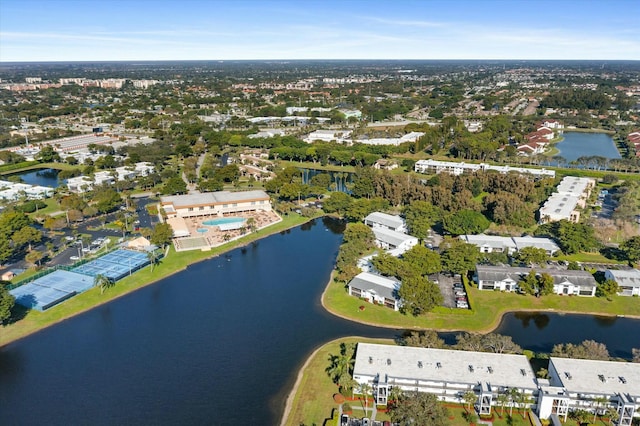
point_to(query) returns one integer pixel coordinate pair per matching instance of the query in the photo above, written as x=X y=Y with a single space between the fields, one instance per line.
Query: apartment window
x=190 y=209
x=253 y=203
x=225 y=205
x=201 y=208
x=234 y=205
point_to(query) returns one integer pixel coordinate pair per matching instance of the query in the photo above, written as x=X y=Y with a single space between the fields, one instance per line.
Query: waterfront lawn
x=176 y=261
x=589 y=258
x=487 y=308
x=313 y=399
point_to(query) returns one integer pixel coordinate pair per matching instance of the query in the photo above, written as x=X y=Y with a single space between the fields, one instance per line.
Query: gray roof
x=626 y=278
x=585 y=376
x=385 y=219
x=382 y=286
x=208 y=198
x=537 y=242
x=500 y=273
x=391 y=237
x=454 y=366
x=492 y=241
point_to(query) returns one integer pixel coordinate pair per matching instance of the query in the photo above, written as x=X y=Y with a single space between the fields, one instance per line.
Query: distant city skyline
x=100 y=30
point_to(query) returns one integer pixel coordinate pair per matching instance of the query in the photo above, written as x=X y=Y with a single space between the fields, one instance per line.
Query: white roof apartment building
x=376 y=289
x=576 y=383
x=457 y=168
x=398 y=242
x=215 y=203
x=506 y=278
x=571 y=194
x=509 y=245
x=384 y=220
x=628 y=280
x=446 y=373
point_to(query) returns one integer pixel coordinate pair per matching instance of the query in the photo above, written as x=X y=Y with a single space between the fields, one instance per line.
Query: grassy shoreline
x=175 y=262
x=488 y=308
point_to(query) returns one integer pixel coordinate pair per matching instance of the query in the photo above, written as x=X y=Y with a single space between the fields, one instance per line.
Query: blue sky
x=99 y=30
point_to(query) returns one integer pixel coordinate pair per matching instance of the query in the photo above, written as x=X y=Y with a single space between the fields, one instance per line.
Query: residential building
x=506 y=278
x=328 y=136
x=573 y=383
x=215 y=203
x=509 y=245
x=384 y=220
x=392 y=240
x=385 y=164
x=628 y=280
x=448 y=374
x=376 y=289
x=457 y=168
x=577 y=383
x=571 y=194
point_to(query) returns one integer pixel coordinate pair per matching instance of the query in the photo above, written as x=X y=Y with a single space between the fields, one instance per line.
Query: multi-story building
x=509 y=245
x=457 y=168
x=571 y=194
x=215 y=203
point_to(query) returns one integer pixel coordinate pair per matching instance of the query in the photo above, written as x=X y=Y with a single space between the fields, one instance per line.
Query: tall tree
x=7 y=301
x=161 y=234
x=103 y=282
x=423 y=339
x=419 y=295
x=419 y=409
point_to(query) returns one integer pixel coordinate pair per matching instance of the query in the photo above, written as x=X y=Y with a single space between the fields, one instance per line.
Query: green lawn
x=589 y=258
x=174 y=262
x=313 y=398
x=487 y=308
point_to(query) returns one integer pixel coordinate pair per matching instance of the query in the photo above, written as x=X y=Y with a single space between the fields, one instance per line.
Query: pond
x=218 y=343
x=41 y=177
x=578 y=144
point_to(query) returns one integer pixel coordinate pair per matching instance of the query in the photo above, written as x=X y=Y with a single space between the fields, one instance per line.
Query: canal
x=219 y=343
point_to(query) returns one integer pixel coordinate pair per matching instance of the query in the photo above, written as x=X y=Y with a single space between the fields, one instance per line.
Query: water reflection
x=540 y=320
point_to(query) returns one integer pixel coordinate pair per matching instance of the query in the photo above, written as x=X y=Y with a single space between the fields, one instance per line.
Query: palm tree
x=251 y=224
x=613 y=414
x=523 y=401
x=514 y=394
x=365 y=390
x=103 y=282
x=502 y=399
x=599 y=401
x=153 y=258
x=469 y=398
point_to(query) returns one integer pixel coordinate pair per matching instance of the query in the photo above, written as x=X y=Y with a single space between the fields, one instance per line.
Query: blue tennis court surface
x=60 y=285
x=51 y=289
x=115 y=265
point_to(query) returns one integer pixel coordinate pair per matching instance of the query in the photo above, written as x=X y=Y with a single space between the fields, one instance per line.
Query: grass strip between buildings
x=487 y=309
x=173 y=263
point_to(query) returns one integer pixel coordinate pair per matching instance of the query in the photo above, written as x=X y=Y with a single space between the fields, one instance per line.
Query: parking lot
x=453 y=293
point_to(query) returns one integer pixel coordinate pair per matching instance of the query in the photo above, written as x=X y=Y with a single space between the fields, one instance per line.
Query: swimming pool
x=223 y=221
x=202 y=230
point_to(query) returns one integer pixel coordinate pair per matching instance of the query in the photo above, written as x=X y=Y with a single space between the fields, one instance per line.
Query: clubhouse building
x=221 y=203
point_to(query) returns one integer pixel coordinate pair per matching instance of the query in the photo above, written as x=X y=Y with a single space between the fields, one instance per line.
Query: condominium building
x=215 y=203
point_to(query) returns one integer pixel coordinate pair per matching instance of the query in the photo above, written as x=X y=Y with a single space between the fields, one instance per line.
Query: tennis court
x=115 y=265
x=51 y=289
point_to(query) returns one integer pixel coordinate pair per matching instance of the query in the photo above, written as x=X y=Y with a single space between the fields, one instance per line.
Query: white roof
x=583 y=376
x=208 y=198
x=572 y=185
x=537 y=242
x=559 y=205
x=481 y=240
x=385 y=219
x=391 y=237
x=454 y=366
x=626 y=278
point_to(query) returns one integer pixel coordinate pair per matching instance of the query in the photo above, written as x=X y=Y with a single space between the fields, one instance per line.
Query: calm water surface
x=41 y=177
x=577 y=144
x=219 y=343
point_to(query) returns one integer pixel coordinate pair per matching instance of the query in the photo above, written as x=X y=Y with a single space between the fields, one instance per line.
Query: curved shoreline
x=125 y=291
x=490 y=328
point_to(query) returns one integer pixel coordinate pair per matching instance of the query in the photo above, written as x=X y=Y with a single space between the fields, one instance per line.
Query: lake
x=577 y=144
x=41 y=177
x=218 y=343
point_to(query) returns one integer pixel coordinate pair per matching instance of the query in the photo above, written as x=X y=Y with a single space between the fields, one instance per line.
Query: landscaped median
x=174 y=262
x=487 y=308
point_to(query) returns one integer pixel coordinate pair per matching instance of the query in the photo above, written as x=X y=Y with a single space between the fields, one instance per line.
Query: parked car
x=344 y=420
x=366 y=421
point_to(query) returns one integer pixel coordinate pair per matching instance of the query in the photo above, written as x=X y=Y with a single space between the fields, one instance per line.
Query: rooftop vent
x=370 y=360
x=490 y=369
x=438 y=364
x=419 y=364
x=567 y=375
x=388 y=361
x=602 y=378
x=524 y=373
x=471 y=368
x=622 y=380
